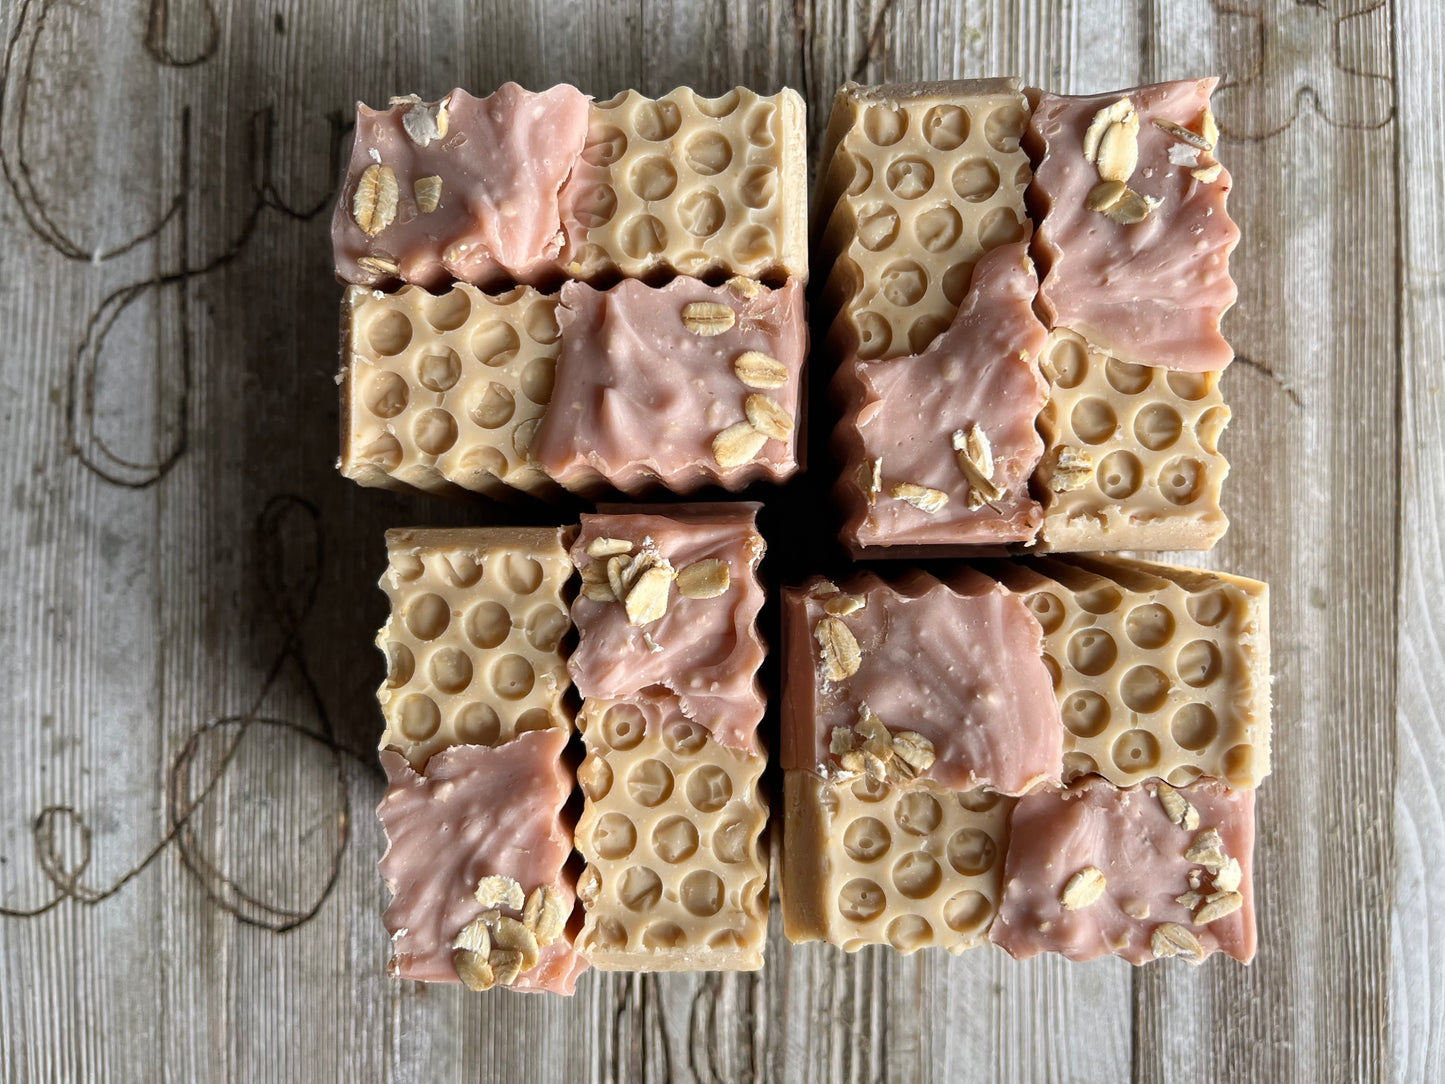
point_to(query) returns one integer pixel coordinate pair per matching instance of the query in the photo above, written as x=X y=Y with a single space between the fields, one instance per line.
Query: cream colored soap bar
x=523 y=187
x=690 y=185
x=671 y=831
x=1159 y=671
x=1132 y=453
x=635 y=386
x=444 y=393
x=917 y=182
x=871 y=863
x=474 y=640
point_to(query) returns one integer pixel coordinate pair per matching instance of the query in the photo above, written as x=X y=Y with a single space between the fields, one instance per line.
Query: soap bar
x=872 y=863
x=938 y=447
x=1133 y=234
x=1131 y=456
x=523 y=187
x=1159 y=671
x=478 y=825
x=1144 y=872
x=917 y=182
x=463 y=188
x=687 y=384
x=631 y=387
x=672 y=835
x=958 y=665
x=692 y=186
x=669 y=598
x=445 y=392
x=474 y=639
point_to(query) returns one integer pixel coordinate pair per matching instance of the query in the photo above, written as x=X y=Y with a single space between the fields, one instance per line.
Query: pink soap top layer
x=639 y=398
x=982 y=371
x=707 y=651
x=960 y=663
x=502 y=163
x=474 y=812
x=1126 y=835
x=1153 y=292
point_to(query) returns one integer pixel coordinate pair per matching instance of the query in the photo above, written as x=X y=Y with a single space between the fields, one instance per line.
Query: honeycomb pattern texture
x=1151 y=435
x=1159 y=671
x=445 y=392
x=671 y=833
x=474 y=640
x=691 y=185
x=908 y=865
x=917 y=182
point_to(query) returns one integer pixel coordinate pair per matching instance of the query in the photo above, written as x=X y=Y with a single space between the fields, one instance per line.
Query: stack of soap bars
x=548 y=293
x=467 y=377
x=1021 y=298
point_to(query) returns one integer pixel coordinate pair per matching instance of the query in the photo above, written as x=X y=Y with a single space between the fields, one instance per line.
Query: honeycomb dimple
x=650 y=783
x=451 y=670
x=1154 y=473
x=867 y=839
x=388 y=333
x=1085 y=713
x=473 y=643
x=675 y=839
x=439 y=371
x=434 y=431
x=702 y=214
x=975 y=179
x=1005 y=127
x=946 y=127
x=436 y=388
x=492 y=408
x=426 y=616
x=972 y=852
x=675 y=848
x=1161 y=671
x=909 y=865
x=918 y=813
x=476 y=723
x=690 y=185
x=448 y=311
x=932 y=174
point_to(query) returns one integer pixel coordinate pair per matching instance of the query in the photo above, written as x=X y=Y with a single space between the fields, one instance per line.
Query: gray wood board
x=188 y=707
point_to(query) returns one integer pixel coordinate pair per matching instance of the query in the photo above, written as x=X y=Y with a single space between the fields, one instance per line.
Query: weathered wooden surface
x=186 y=709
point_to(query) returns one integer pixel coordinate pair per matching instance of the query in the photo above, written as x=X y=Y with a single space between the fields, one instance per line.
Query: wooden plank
x=1417 y=988
x=1323 y=857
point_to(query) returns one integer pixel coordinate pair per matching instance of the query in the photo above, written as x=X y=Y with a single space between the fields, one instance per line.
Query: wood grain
x=1417 y=987
x=188 y=708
